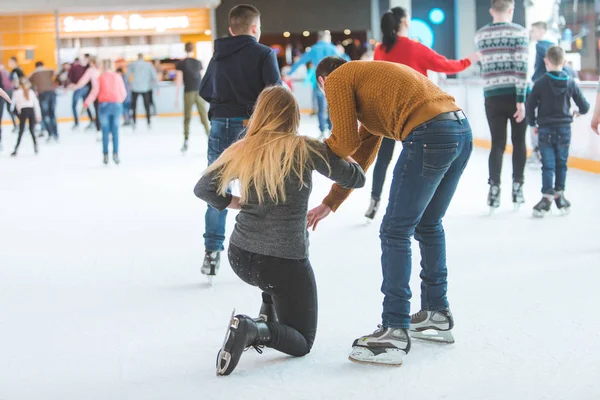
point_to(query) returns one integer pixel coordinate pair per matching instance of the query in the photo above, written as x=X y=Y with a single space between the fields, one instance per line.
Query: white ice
x=101 y=295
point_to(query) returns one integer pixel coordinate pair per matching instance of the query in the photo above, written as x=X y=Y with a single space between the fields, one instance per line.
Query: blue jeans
x=223 y=133
x=554 y=146
x=427 y=173
x=323 y=112
x=79 y=94
x=48 y=106
x=109 y=115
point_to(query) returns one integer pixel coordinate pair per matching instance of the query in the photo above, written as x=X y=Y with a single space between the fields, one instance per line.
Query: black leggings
x=146 y=96
x=26 y=114
x=384 y=158
x=291 y=285
x=499 y=110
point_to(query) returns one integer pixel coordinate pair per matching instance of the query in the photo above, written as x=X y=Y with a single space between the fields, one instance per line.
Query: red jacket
x=420 y=57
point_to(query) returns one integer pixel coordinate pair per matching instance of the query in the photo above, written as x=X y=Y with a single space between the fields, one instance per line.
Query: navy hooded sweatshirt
x=238 y=71
x=551 y=96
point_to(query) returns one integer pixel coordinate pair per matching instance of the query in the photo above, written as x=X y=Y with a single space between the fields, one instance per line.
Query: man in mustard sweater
x=394 y=101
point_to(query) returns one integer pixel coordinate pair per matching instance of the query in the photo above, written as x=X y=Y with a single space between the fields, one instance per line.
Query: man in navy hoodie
x=237 y=73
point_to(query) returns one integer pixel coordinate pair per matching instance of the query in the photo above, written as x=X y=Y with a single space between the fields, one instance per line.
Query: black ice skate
x=184 y=148
x=372 y=211
x=435 y=326
x=562 y=203
x=267 y=310
x=242 y=333
x=211 y=264
x=494 y=198
x=105 y=159
x=385 y=346
x=116 y=158
x=517 y=195
x=543 y=207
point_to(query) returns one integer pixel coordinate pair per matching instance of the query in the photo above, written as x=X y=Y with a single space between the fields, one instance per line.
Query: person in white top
x=27 y=106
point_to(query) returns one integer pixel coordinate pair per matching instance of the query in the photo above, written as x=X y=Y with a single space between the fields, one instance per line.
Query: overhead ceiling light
x=286 y=34
x=347 y=32
x=306 y=33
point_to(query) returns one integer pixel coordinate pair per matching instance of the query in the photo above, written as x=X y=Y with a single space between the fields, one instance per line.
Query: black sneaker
x=542 y=208
x=242 y=333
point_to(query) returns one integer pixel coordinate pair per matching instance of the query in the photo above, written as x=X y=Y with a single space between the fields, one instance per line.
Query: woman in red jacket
x=397 y=47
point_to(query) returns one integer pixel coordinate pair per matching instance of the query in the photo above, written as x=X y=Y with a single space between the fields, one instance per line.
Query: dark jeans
x=109 y=115
x=26 y=114
x=80 y=95
x=427 y=173
x=223 y=133
x=384 y=158
x=147 y=97
x=48 y=106
x=323 y=112
x=499 y=110
x=291 y=284
x=554 y=146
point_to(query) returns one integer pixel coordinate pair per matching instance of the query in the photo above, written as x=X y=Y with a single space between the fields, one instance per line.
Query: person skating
x=231 y=92
x=42 y=81
x=504 y=48
x=143 y=81
x=27 y=107
x=109 y=92
x=74 y=75
x=189 y=73
x=397 y=47
x=90 y=79
x=16 y=74
x=395 y=101
x=269 y=245
x=551 y=97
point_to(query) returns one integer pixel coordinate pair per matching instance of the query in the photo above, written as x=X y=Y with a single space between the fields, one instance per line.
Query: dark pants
x=109 y=115
x=427 y=173
x=2 y=101
x=384 y=158
x=80 y=95
x=223 y=133
x=499 y=110
x=48 y=106
x=26 y=114
x=291 y=284
x=146 y=96
x=8 y=108
x=554 y=146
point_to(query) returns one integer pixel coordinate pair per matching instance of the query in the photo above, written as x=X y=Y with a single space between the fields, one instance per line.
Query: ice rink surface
x=101 y=295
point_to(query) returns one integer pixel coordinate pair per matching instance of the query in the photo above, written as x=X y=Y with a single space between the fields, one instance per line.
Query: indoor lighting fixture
x=286 y=34
x=306 y=33
x=347 y=32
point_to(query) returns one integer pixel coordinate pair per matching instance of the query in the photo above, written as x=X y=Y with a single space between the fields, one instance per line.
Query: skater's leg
x=24 y=114
x=519 y=153
x=202 y=111
x=384 y=157
x=117 y=110
x=426 y=157
x=96 y=106
x=2 y=101
x=561 y=148
x=32 y=122
x=548 y=159
x=188 y=102
x=103 y=117
x=497 y=121
x=431 y=237
x=134 y=99
x=322 y=110
x=147 y=97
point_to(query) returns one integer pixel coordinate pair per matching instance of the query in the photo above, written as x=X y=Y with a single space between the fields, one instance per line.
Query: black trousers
x=384 y=158
x=147 y=97
x=499 y=110
x=26 y=114
x=291 y=284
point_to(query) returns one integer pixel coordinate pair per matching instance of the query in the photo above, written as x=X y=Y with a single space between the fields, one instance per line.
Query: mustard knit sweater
x=388 y=99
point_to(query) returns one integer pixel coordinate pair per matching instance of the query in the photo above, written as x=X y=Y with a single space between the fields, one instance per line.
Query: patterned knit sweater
x=388 y=99
x=505 y=59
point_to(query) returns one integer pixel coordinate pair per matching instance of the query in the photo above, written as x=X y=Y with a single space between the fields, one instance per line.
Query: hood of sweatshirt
x=559 y=82
x=226 y=47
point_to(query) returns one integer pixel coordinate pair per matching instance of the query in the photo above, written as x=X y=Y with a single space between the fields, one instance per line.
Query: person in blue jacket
x=320 y=50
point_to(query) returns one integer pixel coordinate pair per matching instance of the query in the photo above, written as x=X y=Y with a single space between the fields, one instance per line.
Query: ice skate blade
x=433 y=335
x=516 y=206
x=539 y=214
x=391 y=358
x=565 y=211
x=224 y=355
x=492 y=210
x=210 y=280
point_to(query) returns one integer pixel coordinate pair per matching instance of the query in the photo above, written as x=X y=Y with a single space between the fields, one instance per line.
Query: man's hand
x=475 y=57
x=520 y=114
x=595 y=123
x=576 y=114
x=316 y=215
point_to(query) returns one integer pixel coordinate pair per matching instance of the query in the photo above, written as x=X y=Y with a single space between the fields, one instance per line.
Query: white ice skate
x=435 y=326
x=385 y=346
x=211 y=264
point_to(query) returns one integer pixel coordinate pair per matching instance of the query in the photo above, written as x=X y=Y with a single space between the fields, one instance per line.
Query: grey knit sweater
x=279 y=230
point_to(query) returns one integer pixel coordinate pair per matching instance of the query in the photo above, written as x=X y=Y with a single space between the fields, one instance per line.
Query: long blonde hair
x=271 y=151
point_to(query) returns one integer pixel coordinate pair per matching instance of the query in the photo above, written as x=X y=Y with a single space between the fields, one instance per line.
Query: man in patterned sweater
x=504 y=46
